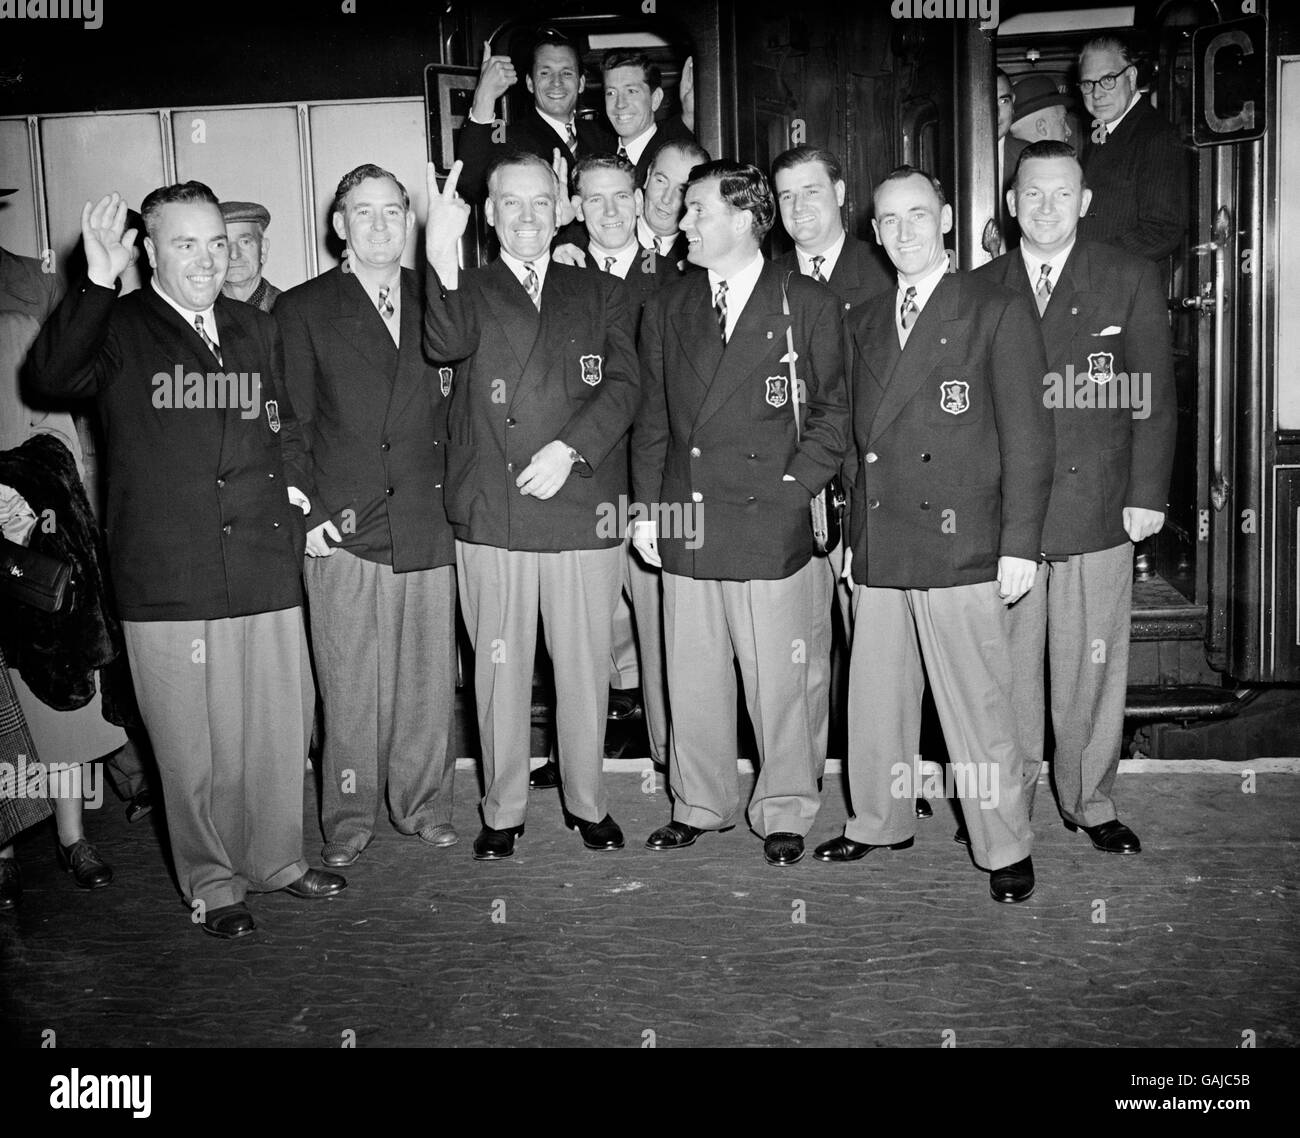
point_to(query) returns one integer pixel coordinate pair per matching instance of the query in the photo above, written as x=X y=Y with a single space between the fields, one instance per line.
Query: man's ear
x=839 y=192
x=266 y=249
x=528 y=82
x=340 y=229
x=638 y=199
x=656 y=97
x=582 y=84
x=490 y=212
x=945 y=219
x=1011 y=201
x=875 y=228
x=152 y=250
x=1084 y=202
x=576 y=202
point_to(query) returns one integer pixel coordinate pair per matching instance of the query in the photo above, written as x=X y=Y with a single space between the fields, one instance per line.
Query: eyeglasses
x=1105 y=82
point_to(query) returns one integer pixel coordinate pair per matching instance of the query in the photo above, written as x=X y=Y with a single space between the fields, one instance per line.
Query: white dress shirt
x=392 y=323
x=1133 y=102
x=740 y=286
x=924 y=289
x=188 y=314
x=1034 y=265
x=624 y=258
x=520 y=268
x=651 y=240
x=832 y=256
x=637 y=146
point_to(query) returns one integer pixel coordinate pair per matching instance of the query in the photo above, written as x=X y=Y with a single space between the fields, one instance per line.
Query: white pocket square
x=1112 y=330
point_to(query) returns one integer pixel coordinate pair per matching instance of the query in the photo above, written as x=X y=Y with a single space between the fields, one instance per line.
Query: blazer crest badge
x=591 y=369
x=1101 y=367
x=778 y=390
x=444 y=380
x=954 y=396
x=273 y=416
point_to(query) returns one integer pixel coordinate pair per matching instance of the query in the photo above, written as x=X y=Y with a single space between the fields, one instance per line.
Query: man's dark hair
x=1049 y=148
x=601 y=162
x=549 y=37
x=515 y=157
x=180 y=193
x=900 y=173
x=687 y=147
x=354 y=178
x=1109 y=42
x=624 y=57
x=798 y=155
x=743 y=187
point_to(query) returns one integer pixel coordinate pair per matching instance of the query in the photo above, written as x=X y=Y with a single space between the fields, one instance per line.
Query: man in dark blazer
x=727 y=478
x=1135 y=164
x=633 y=93
x=551 y=125
x=205 y=535
x=1111 y=389
x=954 y=467
x=546 y=390
x=380 y=555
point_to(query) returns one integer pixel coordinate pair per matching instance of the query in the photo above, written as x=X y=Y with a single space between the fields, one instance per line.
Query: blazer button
x=437 y=485
x=925 y=457
x=385 y=445
x=925 y=505
x=220 y=483
x=275 y=525
x=271 y=474
x=751 y=498
x=696 y=496
x=874 y=504
x=871 y=456
x=510 y=466
x=389 y=491
x=510 y=422
x=1074 y=470
x=226 y=528
x=695 y=452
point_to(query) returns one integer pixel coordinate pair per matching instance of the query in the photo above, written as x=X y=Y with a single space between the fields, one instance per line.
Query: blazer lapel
x=560 y=313
x=696 y=326
x=877 y=344
x=178 y=338
x=361 y=327
x=409 y=374
x=761 y=327
x=1074 y=301
x=509 y=303
x=937 y=325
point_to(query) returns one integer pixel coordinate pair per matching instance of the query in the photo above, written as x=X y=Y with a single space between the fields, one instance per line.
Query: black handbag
x=826 y=507
x=32 y=578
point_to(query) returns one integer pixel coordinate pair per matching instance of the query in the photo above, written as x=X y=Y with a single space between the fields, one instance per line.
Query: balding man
x=246 y=224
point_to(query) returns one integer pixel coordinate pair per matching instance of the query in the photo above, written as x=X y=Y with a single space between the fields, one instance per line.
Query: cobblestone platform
x=1190 y=944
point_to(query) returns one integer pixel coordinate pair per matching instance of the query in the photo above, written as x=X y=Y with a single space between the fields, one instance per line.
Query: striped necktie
x=609 y=264
x=531 y=284
x=720 y=307
x=817 y=263
x=622 y=153
x=1043 y=291
x=203 y=335
x=908 y=312
x=573 y=137
x=385 y=305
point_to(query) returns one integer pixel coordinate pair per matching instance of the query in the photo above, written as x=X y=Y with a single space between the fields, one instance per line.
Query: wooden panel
x=251 y=154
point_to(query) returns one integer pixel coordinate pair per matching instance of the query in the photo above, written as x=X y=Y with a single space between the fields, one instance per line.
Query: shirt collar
x=650 y=239
x=1133 y=102
x=924 y=287
x=540 y=263
x=560 y=126
x=637 y=146
x=1034 y=263
x=831 y=255
x=188 y=314
x=623 y=259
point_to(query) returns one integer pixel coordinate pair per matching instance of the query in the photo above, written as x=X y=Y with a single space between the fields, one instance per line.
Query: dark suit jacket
x=199 y=522
x=861 y=272
x=719 y=424
x=649 y=273
x=1011 y=157
x=532 y=133
x=1138 y=178
x=941 y=493
x=528 y=379
x=374 y=420
x=1106 y=458
x=671 y=129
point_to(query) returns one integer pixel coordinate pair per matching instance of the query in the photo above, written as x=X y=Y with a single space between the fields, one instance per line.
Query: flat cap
x=1034 y=92
x=246 y=211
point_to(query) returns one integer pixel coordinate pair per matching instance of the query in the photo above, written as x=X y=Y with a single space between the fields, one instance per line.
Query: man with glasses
x=1135 y=163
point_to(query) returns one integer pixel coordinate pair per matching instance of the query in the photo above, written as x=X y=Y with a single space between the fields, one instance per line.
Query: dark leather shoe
x=493 y=845
x=11 y=883
x=846 y=849
x=782 y=849
x=674 y=836
x=545 y=777
x=962 y=836
x=339 y=855
x=624 y=704
x=139 y=807
x=317 y=883
x=229 y=922
x=1012 y=883
x=923 y=808
x=602 y=835
x=1110 y=837
x=88 y=869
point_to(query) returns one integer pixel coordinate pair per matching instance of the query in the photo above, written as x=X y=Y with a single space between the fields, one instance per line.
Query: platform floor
x=1191 y=943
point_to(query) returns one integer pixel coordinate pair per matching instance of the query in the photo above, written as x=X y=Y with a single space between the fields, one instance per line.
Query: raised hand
x=686 y=93
x=564 y=211
x=495 y=77
x=107 y=241
x=446 y=221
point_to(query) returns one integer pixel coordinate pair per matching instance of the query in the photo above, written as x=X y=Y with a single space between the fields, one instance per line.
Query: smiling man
x=1135 y=163
x=545 y=392
x=249 y=247
x=716 y=435
x=205 y=535
x=633 y=93
x=380 y=552
x=953 y=450
x=1106 y=331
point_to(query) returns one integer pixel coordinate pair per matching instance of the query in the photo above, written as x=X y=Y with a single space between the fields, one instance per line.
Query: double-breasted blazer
x=954 y=447
x=526 y=378
x=374 y=420
x=1110 y=384
x=199 y=522
x=716 y=429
